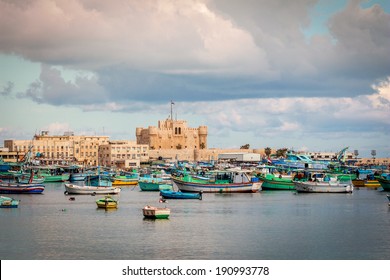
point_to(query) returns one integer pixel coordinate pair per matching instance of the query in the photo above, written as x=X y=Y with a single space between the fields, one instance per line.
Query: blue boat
x=180 y=195
x=21 y=188
x=8 y=202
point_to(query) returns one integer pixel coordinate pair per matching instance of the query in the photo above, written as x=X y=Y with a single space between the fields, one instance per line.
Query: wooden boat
x=155 y=212
x=24 y=179
x=154 y=184
x=52 y=173
x=131 y=179
x=107 y=202
x=323 y=187
x=16 y=188
x=76 y=189
x=384 y=180
x=276 y=182
x=219 y=182
x=366 y=178
x=180 y=195
x=8 y=202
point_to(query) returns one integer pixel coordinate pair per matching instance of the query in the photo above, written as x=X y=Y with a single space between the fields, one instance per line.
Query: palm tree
x=267 y=151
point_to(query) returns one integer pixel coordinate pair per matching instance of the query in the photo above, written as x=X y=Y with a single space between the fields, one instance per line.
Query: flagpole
x=172 y=110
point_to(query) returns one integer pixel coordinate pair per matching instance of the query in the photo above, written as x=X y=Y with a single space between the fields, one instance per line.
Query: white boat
x=76 y=189
x=323 y=187
x=155 y=212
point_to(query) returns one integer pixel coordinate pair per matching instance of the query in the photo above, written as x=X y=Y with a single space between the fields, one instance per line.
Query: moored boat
x=152 y=212
x=384 y=180
x=16 y=188
x=154 y=184
x=219 y=182
x=76 y=189
x=127 y=179
x=276 y=182
x=323 y=187
x=166 y=194
x=107 y=202
x=8 y=202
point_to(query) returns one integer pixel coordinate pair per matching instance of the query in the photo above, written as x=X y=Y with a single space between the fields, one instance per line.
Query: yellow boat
x=366 y=183
x=124 y=180
x=107 y=202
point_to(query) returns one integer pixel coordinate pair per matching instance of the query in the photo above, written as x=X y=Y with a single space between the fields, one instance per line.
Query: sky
x=306 y=75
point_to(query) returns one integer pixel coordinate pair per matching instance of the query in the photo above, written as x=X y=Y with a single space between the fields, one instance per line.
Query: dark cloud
x=51 y=88
x=197 y=51
x=7 y=89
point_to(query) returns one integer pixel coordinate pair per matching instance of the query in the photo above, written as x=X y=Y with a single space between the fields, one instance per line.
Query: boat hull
x=385 y=184
x=152 y=186
x=180 y=195
x=366 y=183
x=76 y=189
x=56 y=178
x=107 y=203
x=275 y=183
x=7 y=202
x=119 y=182
x=21 y=188
x=216 y=188
x=323 y=187
x=156 y=213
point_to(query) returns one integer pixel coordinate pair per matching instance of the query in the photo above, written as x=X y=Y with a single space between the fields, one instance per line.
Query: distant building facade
x=172 y=134
x=64 y=149
x=123 y=154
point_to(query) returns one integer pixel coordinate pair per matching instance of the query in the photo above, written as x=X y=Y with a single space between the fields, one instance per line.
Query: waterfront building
x=172 y=134
x=240 y=157
x=123 y=154
x=59 y=149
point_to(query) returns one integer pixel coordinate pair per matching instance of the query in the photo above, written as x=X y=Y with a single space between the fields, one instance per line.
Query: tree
x=281 y=152
x=245 y=147
x=267 y=151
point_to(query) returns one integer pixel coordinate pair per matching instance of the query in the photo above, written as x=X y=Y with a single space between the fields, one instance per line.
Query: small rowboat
x=152 y=212
x=8 y=202
x=107 y=202
x=180 y=195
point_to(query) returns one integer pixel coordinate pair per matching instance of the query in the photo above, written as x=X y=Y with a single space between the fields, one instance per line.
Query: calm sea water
x=270 y=225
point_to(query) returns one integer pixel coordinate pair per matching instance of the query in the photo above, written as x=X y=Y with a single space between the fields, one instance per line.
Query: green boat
x=384 y=180
x=151 y=212
x=52 y=174
x=154 y=185
x=276 y=182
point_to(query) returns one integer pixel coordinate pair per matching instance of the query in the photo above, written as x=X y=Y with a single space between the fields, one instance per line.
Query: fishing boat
x=152 y=212
x=8 y=202
x=17 y=188
x=365 y=178
x=77 y=189
x=154 y=184
x=107 y=202
x=276 y=182
x=323 y=187
x=384 y=180
x=218 y=182
x=52 y=173
x=125 y=179
x=166 y=194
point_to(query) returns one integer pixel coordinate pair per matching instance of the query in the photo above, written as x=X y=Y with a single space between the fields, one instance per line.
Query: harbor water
x=269 y=225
